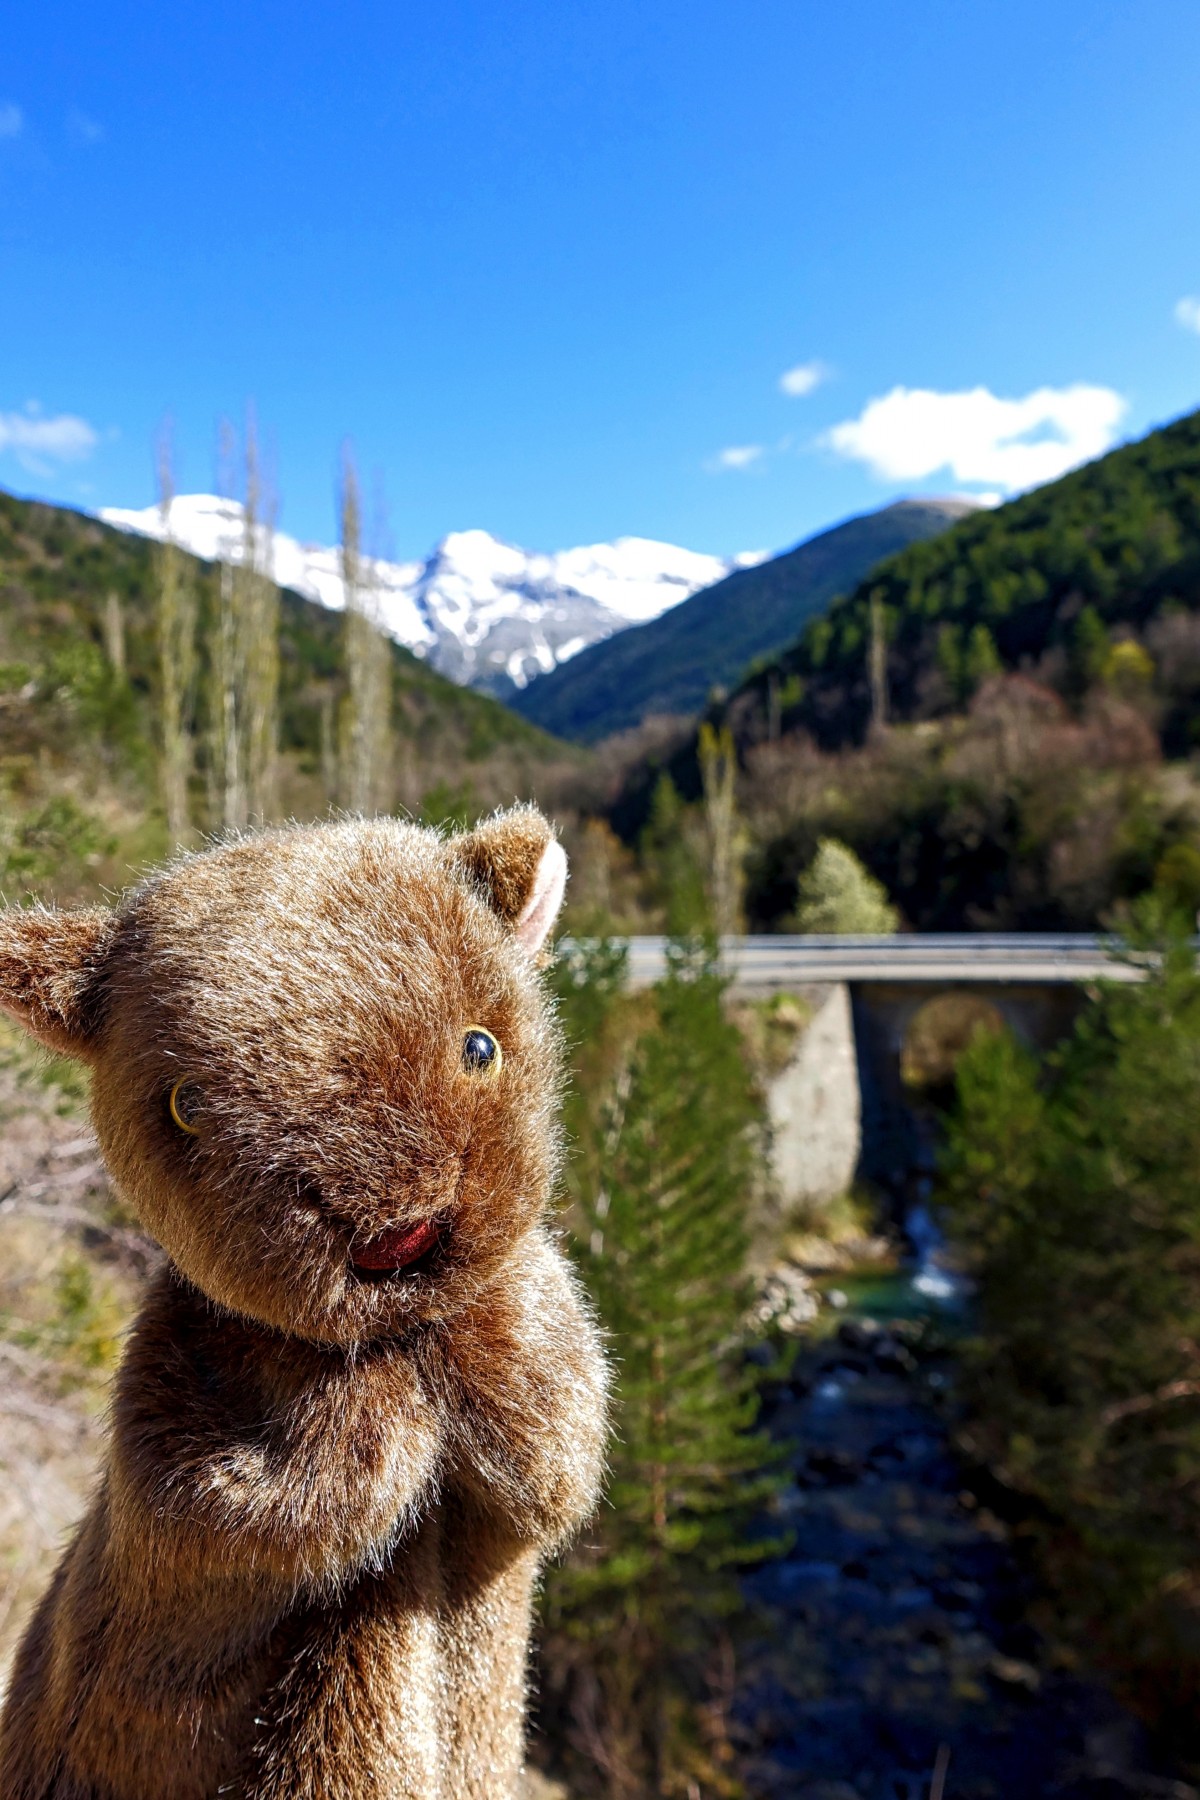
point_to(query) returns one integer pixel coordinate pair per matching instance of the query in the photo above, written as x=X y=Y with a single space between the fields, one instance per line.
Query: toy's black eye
x=185 y=1103
x=481 y=1054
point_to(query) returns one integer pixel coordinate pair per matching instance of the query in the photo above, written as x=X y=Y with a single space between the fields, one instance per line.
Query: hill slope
x=671 y=664
x=78 y=673
x=1043 y=688
x=1049 y=584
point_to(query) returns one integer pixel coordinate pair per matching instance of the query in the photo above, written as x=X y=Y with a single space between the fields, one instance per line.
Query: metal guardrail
x=763 y=964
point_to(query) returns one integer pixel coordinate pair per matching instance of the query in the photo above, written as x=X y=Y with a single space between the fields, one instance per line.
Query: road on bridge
x=765 y=965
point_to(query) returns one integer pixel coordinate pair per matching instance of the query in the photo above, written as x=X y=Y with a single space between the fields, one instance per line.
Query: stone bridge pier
x=840 y=1110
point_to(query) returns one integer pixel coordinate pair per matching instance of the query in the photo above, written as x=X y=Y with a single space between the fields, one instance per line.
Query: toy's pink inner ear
x=540 y=910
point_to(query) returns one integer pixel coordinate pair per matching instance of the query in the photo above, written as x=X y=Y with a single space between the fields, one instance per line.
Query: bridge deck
x=768 y=964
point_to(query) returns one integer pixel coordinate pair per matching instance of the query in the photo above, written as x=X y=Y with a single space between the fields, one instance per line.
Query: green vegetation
x=1022 y=813
x=838 y=896
x=71 y=1269
x=671 y=854
x=81 y=710
x=1000 y=722
x=1071 y=1192
x=673 y=663
x=639 y=1621
x=1093 y=578
x=75 y=1321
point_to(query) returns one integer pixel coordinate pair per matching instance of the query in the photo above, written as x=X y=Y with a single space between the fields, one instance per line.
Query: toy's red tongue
x=396 y=1249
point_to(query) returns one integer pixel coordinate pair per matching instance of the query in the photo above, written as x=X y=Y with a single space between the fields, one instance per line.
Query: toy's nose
x=398 y=1249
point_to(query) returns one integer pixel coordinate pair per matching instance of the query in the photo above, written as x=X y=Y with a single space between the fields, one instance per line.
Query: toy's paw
x=524 y=1386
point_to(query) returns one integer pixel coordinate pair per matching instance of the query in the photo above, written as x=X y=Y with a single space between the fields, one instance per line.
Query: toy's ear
x=521 y=867
x=49 y=963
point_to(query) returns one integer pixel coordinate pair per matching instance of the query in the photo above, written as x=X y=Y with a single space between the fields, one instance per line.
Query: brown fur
x=307 y=1569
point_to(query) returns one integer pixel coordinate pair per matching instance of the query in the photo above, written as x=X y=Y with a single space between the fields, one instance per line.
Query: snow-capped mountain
x=481 y=611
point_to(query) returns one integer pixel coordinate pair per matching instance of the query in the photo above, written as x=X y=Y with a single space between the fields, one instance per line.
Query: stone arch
x=939 y=1032
x=1040 y=1014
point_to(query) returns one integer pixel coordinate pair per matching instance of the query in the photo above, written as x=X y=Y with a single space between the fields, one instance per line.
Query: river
x=898 y=1658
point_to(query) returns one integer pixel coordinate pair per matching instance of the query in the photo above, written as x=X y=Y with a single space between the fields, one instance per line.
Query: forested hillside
x=1000 y=721
x=79 y=697
x=1053 y=584
x=672 y=664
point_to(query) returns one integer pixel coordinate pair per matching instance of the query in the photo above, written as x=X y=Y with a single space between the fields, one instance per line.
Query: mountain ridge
x=671 y=664
x=1050 y=583
x=486 y=613
x=79 y=728
x=1073 y=608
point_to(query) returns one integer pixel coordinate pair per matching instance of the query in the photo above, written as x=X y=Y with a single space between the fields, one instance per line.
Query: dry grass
x=71 y=1268
x=540 y=1787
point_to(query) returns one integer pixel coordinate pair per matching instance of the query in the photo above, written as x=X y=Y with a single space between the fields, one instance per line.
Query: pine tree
x=1070 y=1188
x=1088 y=651
x=672 y=866
x=981 y=659
x=637 y=1615
x=726 y=835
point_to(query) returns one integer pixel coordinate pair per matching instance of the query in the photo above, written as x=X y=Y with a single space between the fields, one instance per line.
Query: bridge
x=840 y=1109
x=760 y=966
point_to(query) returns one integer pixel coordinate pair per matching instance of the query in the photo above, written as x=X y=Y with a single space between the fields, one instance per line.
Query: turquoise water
x=878 y=1294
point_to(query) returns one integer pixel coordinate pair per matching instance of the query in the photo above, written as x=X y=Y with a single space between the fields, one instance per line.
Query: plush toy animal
x=365 y=1398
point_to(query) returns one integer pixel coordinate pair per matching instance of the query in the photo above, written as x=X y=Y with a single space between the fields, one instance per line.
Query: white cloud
x=980 y=496
x=737 y=456
x=38 y=442
x=978 y=437
x=1187 y=312
x=803 y=379
x=12 y=120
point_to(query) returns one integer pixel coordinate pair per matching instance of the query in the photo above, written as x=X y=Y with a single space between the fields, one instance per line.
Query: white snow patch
x=478 y=608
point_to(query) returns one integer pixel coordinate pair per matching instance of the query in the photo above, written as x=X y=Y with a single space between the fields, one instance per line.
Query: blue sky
x=547 y=265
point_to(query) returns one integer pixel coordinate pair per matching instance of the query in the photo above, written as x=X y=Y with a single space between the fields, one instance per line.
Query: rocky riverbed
x=897 y=1659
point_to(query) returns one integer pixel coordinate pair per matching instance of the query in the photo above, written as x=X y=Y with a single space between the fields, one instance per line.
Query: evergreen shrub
x=639 y=1623
x=1073 y=1192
